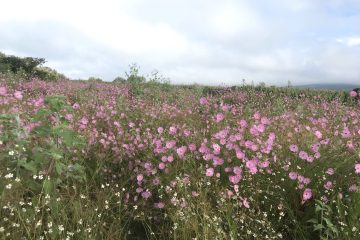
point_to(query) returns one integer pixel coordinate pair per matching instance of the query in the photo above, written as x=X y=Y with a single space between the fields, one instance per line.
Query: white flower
x=39 y=223
x=11 y=153
x=61 y=228
x=8 y=186
x=9 y=175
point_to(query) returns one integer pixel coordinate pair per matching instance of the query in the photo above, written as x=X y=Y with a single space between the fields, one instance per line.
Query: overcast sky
x=203 y=41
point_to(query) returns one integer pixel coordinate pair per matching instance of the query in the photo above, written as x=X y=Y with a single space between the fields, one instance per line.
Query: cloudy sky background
x=203 y=41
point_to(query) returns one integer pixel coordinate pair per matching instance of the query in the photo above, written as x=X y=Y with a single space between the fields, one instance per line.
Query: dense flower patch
x=92 y=160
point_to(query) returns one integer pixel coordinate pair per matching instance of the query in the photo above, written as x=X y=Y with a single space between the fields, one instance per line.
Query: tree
x=16 y=64
x=119 y=80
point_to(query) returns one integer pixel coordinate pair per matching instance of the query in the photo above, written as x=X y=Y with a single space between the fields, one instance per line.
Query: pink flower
x=318 y=134
x=219 y=117
x=307 y=194
x=243 y=123
x=245 y=202
x=84 y=121
x=229 y=193
x=203 y=101
x=294 y=148
x=159 y=205
x=209 y=172
x=146 y=194
x=18 y=95
x=69 y=117
x=170 y=158
x=76 y=106
x=160 y=130
x=264 y=164
x=170 y=144
x=307 y=180
x=301 y=178
x=254 y=130
x=353 y=188
x=240 y=154
x=181 y=151
x=3 y=91
x=265 y=120
x=353 y=94
x=253 y=170
x=330 y=171
x=346 y=133
x=162 y=166
x=251 y=164
x=216 y=148
x=192 y=147
x=172 y=130
x=237 y=170
x=293 y=175
x=39 y=102
x=194 y=194
x=257 y=116
x=187 y=132
x=328 y=185
x=156 y=181
x=235 y=179
x=310 y=159
x=139 y=177
x=357 y=168
x=303 y=155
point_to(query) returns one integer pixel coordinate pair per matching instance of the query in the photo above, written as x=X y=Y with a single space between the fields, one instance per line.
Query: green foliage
x=119 y=80
x=323 y=223
x=15 y=64
x=133 y=76
x=48 y=74
x=46 y=150
x=19 y=69
x=95 y=80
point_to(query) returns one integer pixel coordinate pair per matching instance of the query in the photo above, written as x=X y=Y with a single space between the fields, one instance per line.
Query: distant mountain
x=330 y=86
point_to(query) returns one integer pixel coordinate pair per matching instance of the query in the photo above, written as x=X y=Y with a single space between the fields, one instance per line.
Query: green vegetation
x=139 y=158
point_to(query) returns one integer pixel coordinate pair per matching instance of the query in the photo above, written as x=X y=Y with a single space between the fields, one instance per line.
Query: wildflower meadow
x=98 y=160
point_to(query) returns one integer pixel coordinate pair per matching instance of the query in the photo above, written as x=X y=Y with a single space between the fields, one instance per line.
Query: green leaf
x=56 y=103
x=68 y=137
x=318 y=227
x=328 y=222
x=315 y=221
x=42 y=114
x=59 y=167
x=43 y=130
x=318 y=208
x=31 y=166
x=48 y=186
x=56 y=156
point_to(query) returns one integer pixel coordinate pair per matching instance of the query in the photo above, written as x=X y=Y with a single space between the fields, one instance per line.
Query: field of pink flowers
x=82 y=160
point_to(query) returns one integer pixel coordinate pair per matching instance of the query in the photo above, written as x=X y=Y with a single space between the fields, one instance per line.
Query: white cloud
x=205 y=41
x=351 y=41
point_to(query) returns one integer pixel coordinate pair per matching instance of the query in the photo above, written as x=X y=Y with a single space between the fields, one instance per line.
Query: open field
x=91 y=160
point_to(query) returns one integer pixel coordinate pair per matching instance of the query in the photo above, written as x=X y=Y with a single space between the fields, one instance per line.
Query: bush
x=15 y=64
